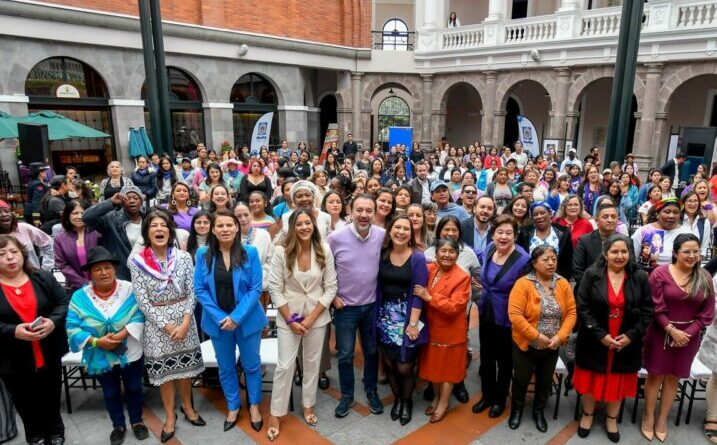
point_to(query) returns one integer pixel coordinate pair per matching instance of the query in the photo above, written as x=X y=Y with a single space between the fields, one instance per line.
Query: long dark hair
x=69 y=208
x=387 y=246
x=237 y=256
x=172 y=205
x=160 y=173
x=601 y=262
x=699 y=281
x=192 y=243
x=164 y=215
x=442 y=223
x=214 y=166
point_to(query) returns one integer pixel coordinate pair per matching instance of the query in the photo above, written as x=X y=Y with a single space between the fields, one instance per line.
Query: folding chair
x=699 y=374
x=74 y=376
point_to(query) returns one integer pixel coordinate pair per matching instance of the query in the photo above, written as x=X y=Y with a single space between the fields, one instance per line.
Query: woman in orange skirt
x=615 y=308
x=443 y=360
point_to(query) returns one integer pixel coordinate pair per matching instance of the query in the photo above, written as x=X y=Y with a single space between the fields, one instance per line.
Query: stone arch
x=267 y=77
x=592 y=75
x=672 y=82
x=506 y=84
x=442 y=86
x=410 y=84
x=103 y=77
x=189 y=72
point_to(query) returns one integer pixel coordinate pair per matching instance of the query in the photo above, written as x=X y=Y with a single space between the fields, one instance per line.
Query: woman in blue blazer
x=227 y=281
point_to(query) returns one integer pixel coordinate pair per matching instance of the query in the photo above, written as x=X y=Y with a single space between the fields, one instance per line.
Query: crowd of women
x=393 y=246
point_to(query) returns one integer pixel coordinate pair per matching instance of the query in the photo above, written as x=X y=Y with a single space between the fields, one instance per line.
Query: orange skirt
x=443 y=363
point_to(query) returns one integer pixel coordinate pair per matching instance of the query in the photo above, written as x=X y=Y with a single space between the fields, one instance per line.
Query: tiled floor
x=89 y=423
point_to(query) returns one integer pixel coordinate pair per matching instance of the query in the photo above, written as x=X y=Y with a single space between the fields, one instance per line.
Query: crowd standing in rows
x=559 y=256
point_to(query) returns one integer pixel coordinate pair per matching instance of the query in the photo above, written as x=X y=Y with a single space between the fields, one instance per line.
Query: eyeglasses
x=469 y=192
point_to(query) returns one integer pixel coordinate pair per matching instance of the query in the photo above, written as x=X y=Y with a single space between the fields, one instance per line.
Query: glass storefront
x=253 y=96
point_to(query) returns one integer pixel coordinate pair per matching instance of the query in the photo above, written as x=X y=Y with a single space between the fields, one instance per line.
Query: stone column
x=125 y=113
x=496 y=10
x=427 y=99
x=356 y=106
x=293 y=123
x=14 y=105
x=499 y=128
x=572 y=120
x=646 y=149
x=557 y=122
x=219 y=124
x=569 y=5
x=487 y=136
x=429 y=14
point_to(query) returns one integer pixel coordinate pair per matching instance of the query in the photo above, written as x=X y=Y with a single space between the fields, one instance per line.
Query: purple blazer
x=495 y=293
x=419 y=275
x=66 y=256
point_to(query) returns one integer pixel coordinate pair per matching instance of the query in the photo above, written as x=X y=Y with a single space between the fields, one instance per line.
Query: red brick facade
x=339 y=22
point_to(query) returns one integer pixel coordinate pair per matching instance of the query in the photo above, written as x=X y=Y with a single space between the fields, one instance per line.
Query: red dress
x=609 y=387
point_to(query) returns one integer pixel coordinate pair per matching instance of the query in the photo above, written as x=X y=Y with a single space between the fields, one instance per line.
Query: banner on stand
x=262 y=130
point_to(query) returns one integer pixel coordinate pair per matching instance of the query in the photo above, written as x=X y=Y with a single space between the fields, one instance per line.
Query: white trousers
x=288 y=343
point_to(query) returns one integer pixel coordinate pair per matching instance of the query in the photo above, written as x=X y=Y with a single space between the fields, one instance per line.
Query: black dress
x=395 y=284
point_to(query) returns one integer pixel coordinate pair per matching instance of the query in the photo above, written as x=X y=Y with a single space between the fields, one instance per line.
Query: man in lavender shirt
x=357 y=248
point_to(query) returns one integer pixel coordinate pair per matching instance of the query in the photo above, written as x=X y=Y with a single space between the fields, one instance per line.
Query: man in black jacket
x=350 y=147
x=53 y=203
x=589 y=247
x=672 y=169
x=119 y=226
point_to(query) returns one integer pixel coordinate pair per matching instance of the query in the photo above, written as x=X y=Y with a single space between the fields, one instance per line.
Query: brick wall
x=340 y=22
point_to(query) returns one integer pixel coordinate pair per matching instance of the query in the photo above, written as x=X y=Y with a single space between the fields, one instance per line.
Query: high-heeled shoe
x=396 y=409
x=256 y=426
x=436 y=417
x=584 y=432
x=661 y=436
x=647 y=434
x=229 y=424
x=166 y=436
x=196 y=422
x=406 y=411
x=613 y=436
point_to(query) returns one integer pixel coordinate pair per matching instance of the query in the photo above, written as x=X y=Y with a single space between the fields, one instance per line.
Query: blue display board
x=404 y=136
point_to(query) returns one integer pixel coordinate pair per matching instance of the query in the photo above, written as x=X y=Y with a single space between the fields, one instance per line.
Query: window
x=395 y=35
x=46 y=76
x=252 y=96
x=393 y=112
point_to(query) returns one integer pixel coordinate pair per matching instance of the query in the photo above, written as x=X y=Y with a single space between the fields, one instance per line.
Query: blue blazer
x=248 y=313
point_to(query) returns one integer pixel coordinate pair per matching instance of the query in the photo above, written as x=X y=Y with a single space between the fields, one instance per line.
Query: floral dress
x=393 y=311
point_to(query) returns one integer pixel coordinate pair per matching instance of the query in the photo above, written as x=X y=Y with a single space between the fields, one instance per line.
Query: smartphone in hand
x=36 y=324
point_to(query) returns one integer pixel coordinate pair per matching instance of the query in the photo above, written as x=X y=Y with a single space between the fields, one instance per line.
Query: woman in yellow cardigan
x=541 y=308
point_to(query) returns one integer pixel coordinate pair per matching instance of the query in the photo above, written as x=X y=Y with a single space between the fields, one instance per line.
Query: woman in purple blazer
x=72 y=245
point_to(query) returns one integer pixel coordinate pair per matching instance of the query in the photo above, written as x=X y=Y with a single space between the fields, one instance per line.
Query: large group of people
x=397 y=247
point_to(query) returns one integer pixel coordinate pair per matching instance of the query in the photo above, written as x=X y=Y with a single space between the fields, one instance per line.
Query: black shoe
x=324 y=381
x=117 y=436
x=165 y=436
x=406 y=411
x=228 y=424
x=459 y=390
x=481 y=406
x=496 y=411
x=584 y=432
x=516 y=414
x=256 y=426
x=297 y=378
x=196 y=422
x=540 y=423
x=140 y=431
x=396 y=409
x=613 y=436
x=342 y=410
x=374 y=403
x=57 y=440
x=37 y=442
x=428 y=393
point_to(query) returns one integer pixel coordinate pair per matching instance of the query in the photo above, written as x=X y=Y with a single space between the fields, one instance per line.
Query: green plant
x=225 y=147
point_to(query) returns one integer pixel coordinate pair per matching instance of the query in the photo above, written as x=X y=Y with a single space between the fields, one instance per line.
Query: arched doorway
x=593 y=114
x=392 y=112
x=512 y=110
x=327 y=116
x=253 y=95
x=185 y=109
x=463 y=114
x=75 y=90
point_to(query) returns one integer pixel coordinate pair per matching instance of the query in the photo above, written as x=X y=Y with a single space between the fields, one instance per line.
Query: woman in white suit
x=302 y=286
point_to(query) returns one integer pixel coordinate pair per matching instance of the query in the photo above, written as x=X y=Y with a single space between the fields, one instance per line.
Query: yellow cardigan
x=524 y=311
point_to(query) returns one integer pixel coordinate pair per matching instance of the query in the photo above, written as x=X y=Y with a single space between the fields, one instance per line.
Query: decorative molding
x=14 y=98
x=220 y=105
x=126 y=103
x=293 y=108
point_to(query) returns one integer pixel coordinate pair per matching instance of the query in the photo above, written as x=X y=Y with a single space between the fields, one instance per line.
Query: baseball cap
x=572 y=150
x=437 y=184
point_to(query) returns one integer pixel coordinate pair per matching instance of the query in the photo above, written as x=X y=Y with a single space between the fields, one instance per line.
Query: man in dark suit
x=672 y=169
x=420 y=185
x=476 y=232
x=589 y=247
x=350 y=147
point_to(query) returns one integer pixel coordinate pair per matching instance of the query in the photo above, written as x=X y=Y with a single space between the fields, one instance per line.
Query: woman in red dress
x=443 y=360
x=614 y=308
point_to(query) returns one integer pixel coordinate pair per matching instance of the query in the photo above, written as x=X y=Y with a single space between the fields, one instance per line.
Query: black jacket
x=587 y=251
x=110 y=222
x=593 y=312
x=147 y=183
x=16 y=356
x=669 y=169
x=565 y=247
x=349 y=148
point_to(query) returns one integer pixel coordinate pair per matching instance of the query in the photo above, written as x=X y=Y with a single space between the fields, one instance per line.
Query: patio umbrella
x=60 y=127
x=8 y=126
x=139 y=144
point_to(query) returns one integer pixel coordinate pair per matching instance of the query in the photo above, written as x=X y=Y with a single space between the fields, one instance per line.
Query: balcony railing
x=393 y=40
x=564 y=26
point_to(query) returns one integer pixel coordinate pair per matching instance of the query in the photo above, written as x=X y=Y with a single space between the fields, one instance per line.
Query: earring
x=174 y=202
x=189 y=202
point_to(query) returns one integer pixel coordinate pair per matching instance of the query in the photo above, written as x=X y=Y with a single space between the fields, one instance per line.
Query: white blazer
x=286 y=288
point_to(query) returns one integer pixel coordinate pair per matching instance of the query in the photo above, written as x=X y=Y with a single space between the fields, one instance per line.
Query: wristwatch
x=413 y=325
